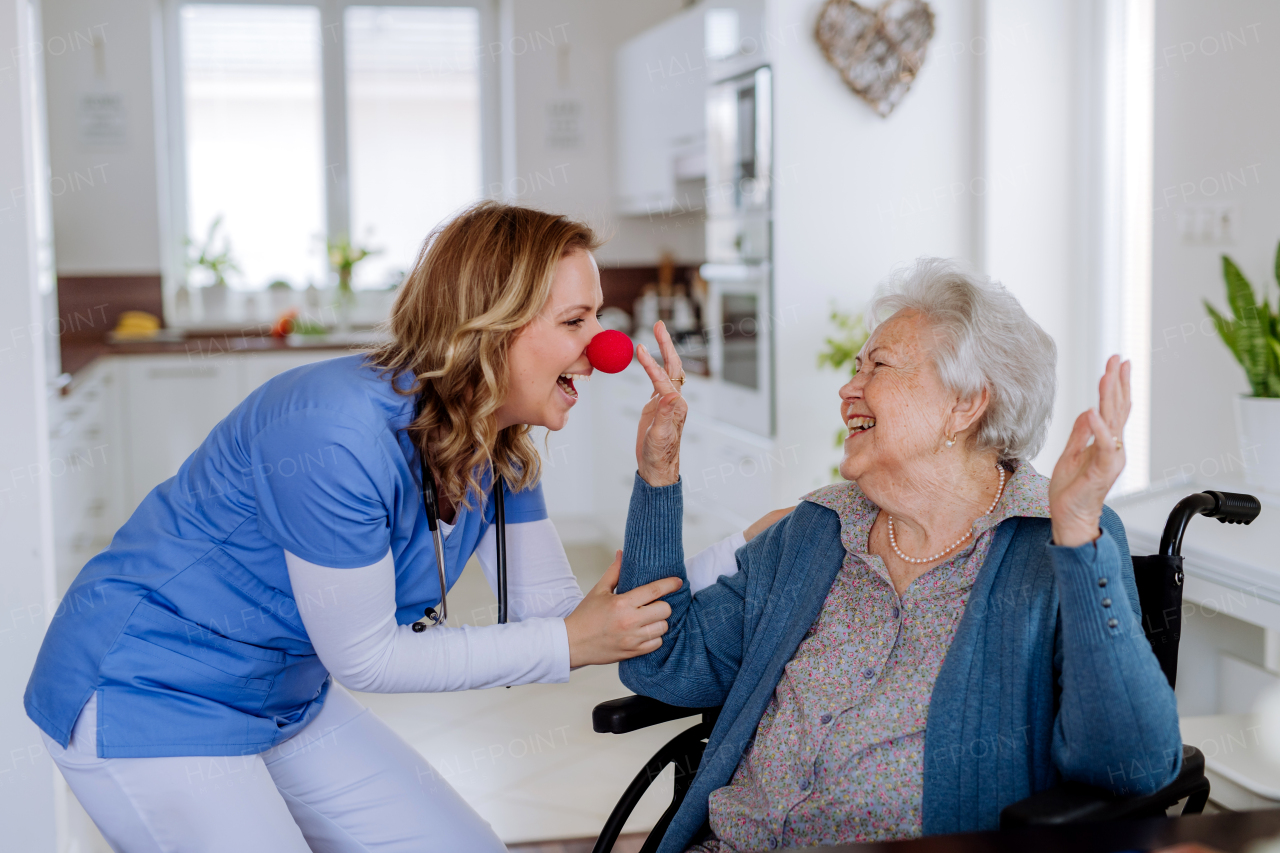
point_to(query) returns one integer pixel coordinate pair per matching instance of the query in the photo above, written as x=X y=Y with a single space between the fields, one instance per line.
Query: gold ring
x=1119 y=444
x=680 y=380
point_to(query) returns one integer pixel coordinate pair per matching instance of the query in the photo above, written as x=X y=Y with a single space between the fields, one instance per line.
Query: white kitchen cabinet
x=170 y=404
x=85 y=467
x=616 y=411
x=127 y=424
x=727 y=472
x=660 y=83
x=257 y=368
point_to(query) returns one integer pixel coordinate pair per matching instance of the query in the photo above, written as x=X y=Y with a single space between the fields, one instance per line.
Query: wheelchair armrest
x=1075 y=802
x=619 y=716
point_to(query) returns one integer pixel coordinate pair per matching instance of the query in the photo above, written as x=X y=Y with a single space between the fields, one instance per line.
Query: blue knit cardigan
x=1048 y=677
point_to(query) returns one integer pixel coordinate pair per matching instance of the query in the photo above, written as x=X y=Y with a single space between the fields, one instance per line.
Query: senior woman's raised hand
x=662 y=419
x=1086 y=471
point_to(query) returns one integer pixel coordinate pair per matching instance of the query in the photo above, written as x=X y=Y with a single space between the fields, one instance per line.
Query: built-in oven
x=739 y=168
x=739 y=345
x=739 y=249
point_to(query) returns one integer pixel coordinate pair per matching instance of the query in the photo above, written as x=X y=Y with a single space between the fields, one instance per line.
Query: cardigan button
x=1106 y=602
x=804 y=784
x=896 y=613
x=825 y=718
x=1102 y=581
x=773 y=842
x=1112 y=623
x=868 y=673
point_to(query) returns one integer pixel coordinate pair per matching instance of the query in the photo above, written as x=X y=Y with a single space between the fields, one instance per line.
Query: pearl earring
x=951 y=442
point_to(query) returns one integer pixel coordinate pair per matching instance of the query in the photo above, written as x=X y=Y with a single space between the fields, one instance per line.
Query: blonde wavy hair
x=479 y=279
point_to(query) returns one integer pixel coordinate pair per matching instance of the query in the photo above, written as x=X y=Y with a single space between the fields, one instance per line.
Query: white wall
x=26 y=531
x=987 y=160
x=1216 y=121
x=105 y=201
x=857 y=195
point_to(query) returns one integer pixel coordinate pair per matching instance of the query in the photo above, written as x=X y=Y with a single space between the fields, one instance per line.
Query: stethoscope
x=440 y=614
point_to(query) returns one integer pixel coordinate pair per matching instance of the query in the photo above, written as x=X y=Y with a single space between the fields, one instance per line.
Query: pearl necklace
x=945 y=551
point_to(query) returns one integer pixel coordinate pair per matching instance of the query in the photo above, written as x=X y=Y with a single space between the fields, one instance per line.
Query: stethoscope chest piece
x=432 y=616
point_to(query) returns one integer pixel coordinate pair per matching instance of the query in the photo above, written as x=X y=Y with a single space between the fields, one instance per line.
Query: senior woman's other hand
x=662 y=419
x=1086 y=471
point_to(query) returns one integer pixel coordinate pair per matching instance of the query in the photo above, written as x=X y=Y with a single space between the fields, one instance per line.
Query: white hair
x=985 y=340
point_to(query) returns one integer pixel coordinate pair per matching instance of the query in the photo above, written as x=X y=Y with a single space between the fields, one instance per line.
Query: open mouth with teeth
x=859 y=424
x=566 y=380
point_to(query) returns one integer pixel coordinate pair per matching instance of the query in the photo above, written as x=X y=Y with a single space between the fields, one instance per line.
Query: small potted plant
x=280 y=293
x=343 y=257
x=219 y=263
x=839 y=352
x=1253 y=335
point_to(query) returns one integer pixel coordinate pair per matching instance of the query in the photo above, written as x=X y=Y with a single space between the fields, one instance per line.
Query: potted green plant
x=280 y=293
x=218 y=262
x=1252 y=333
x=343 y=257
x=838 y=352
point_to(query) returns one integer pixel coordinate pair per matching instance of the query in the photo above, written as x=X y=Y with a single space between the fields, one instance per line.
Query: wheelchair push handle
x=1227 y=507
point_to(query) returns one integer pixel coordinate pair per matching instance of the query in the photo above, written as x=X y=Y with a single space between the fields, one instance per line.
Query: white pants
x=345 y=783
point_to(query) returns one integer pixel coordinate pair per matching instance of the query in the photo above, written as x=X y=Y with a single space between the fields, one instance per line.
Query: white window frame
x=333 y=73
x=1119 y=221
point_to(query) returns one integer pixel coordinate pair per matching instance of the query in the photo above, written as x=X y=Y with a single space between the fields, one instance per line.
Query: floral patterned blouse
x=838 y=756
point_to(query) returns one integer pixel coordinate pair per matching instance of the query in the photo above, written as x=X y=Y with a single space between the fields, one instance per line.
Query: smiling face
x=896 y=407
x=549 y=354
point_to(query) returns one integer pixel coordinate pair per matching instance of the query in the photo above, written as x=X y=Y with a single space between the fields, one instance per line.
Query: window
x=295 y=124
x=254 y=137
x=1125 y=226
x=413 y=127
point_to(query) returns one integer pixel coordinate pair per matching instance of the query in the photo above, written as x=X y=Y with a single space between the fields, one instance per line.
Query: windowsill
x=256 y=311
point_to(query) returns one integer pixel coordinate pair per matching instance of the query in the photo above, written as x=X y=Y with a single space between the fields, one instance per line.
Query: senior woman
x=944 y=634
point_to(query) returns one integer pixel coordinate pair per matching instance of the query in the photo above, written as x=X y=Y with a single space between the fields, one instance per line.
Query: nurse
x=184 y=685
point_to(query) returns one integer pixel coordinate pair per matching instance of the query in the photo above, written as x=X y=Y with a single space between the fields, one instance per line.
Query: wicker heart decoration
x=876 y=51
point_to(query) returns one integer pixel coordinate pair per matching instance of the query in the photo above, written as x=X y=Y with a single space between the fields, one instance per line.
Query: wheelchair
x=1159 y=581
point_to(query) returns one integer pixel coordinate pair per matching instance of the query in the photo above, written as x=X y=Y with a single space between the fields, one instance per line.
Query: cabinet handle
x=182 y=373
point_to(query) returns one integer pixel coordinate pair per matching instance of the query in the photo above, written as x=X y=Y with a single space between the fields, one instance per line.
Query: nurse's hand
x=662 y=419
x=765 y=522
x=606 y=627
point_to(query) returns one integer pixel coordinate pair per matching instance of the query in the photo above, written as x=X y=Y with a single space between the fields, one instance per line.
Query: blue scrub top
x=186 y=626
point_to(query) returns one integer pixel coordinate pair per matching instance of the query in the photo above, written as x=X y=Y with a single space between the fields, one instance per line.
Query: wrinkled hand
x=1086 y=472
x=606 y=628
x=662 y=419
x=765 y=521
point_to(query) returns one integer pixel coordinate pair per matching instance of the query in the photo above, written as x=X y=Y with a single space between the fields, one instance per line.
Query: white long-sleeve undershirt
x=350 y=617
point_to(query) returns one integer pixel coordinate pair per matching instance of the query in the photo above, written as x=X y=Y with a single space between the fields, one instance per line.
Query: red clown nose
x=610 y=351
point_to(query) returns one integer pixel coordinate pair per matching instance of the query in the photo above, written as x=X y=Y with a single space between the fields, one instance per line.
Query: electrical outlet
x=1208 y=224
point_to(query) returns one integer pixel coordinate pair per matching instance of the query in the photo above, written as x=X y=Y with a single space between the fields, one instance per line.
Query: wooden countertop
x=78 y=352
